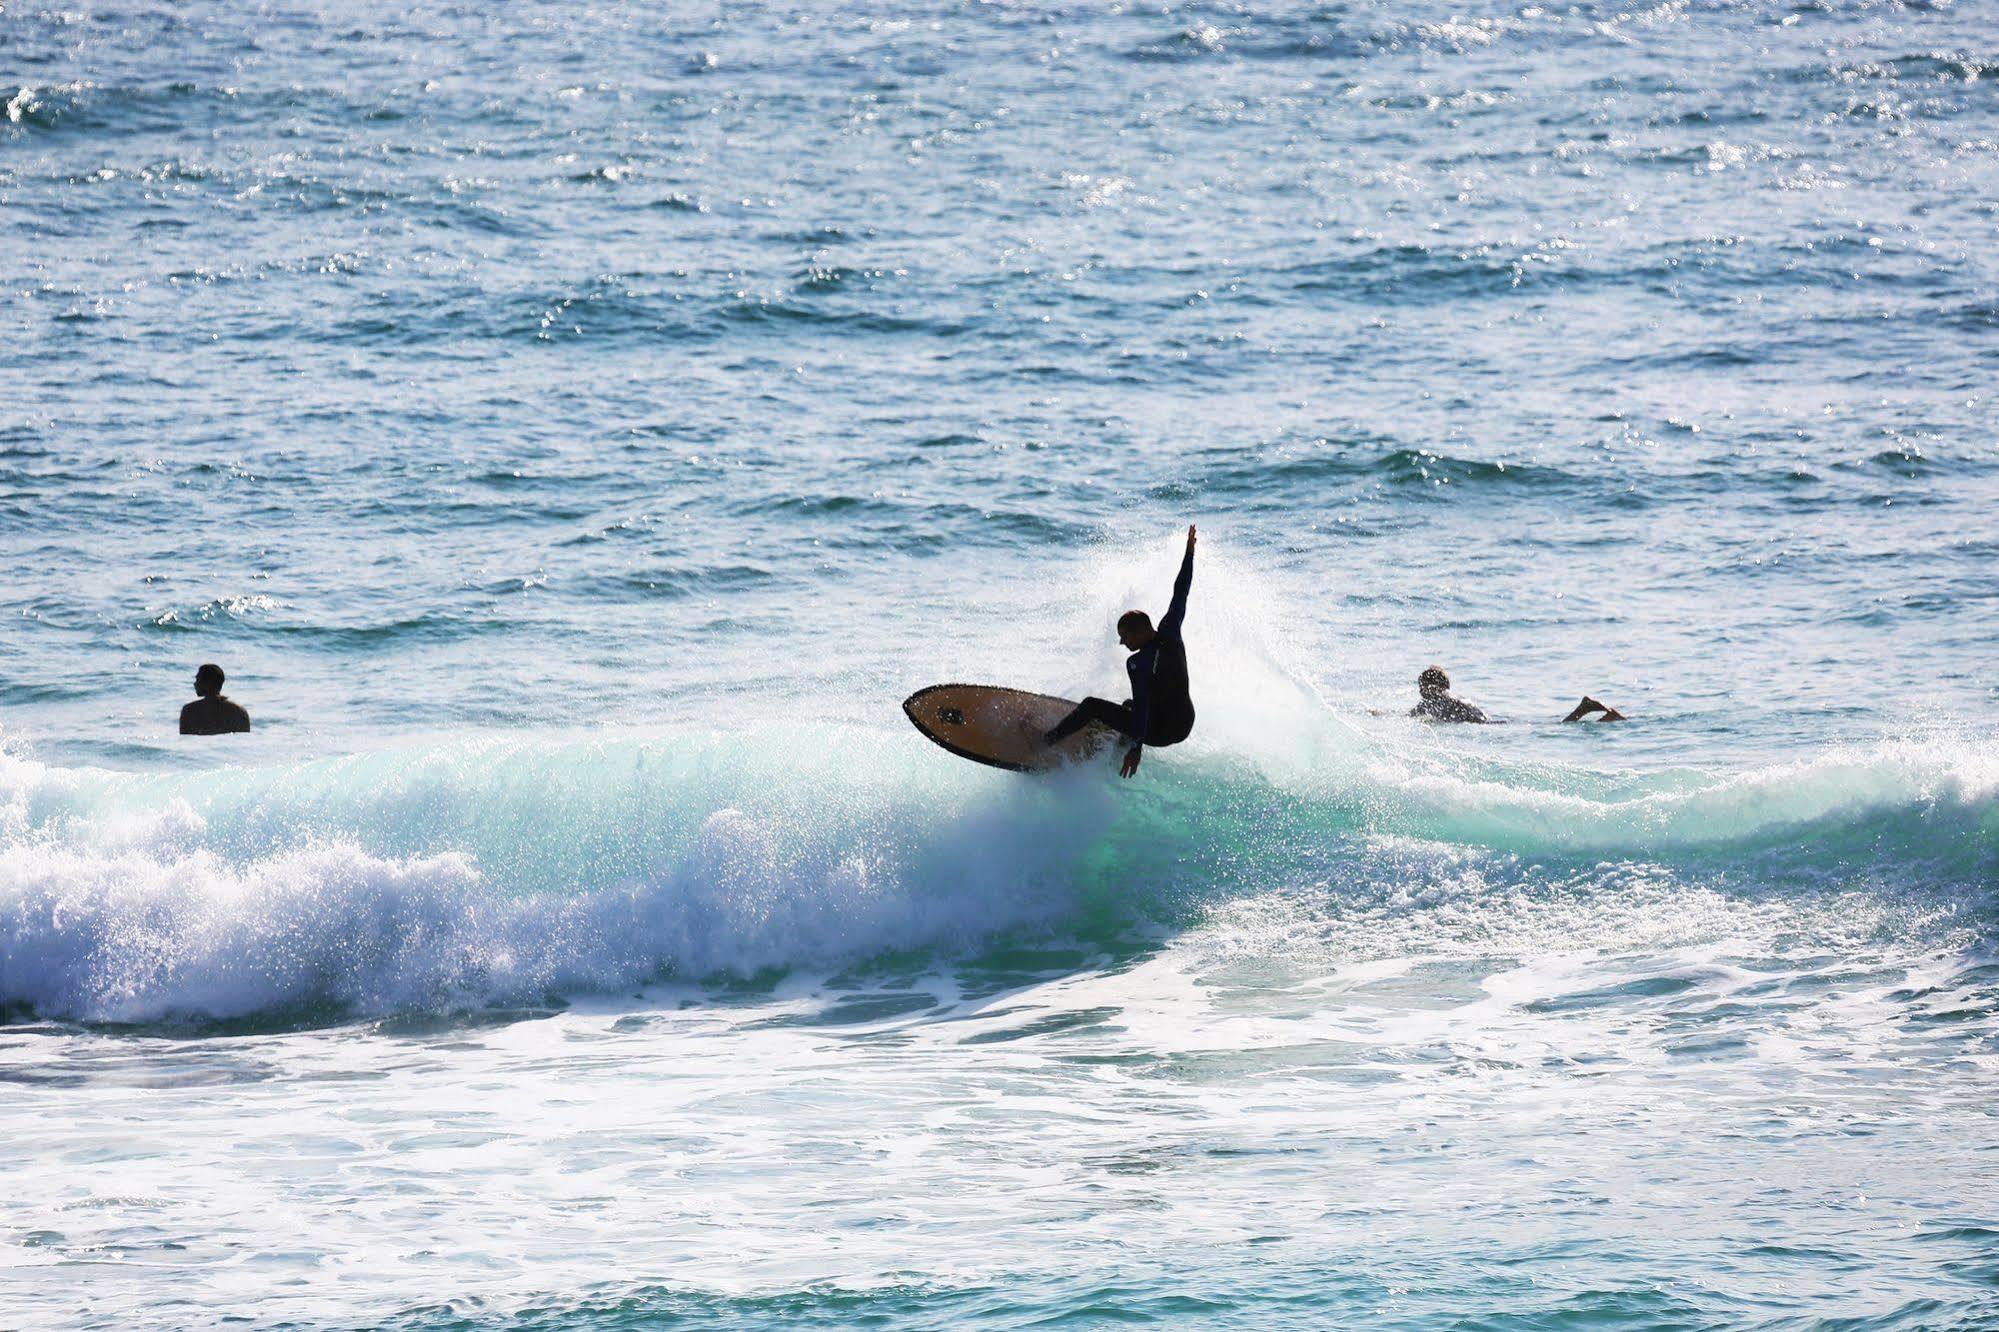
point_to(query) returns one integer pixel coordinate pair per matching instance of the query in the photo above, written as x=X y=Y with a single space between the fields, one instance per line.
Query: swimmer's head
x=208 y=680
x=1433 y=683
x=1134 y=629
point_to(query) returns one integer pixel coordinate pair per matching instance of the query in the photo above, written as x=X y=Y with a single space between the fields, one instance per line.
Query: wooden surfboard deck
x=1001 y=727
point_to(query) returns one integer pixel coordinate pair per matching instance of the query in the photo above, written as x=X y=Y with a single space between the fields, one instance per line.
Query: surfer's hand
x=1190 y=536
x=1130 y=762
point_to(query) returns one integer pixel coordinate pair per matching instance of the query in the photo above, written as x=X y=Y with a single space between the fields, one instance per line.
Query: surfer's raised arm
x=1182 y=585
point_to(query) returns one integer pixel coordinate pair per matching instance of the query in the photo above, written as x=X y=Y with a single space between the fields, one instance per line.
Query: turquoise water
x=576 y=427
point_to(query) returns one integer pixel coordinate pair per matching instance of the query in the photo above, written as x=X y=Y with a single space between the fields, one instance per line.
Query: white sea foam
x=434 y=877
x=490 y=872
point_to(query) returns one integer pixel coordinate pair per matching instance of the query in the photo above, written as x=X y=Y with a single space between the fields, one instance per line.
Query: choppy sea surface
x=576 y=426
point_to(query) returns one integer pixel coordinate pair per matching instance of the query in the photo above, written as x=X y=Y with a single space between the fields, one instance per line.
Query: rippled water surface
x=577 y=426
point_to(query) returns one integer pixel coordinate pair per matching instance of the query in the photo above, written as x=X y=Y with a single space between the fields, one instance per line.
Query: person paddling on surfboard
x=1160 y=710
x=1436 y=703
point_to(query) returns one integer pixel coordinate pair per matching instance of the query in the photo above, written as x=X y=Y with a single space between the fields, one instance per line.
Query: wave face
x=474 y=874
x=494 y=873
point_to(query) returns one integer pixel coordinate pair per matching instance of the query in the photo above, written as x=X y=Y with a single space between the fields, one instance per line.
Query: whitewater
x=576 y=427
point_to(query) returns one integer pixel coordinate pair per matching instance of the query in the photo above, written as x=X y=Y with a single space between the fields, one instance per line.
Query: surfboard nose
x=1005 y=728
x=928 y=711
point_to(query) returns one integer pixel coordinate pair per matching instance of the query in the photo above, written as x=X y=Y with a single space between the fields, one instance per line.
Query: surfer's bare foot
x=1130 y=765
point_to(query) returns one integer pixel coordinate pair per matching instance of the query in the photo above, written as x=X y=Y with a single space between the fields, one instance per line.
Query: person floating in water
x=1160 y=710
x=212 y=714
x=1438 y=704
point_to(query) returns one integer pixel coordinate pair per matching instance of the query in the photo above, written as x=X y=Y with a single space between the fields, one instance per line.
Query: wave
x=484 y=872
x=615 y=309
x=491 y=872
x=84 y=107
x=1321 y=462
x=1324 y=37
x=1949 y=68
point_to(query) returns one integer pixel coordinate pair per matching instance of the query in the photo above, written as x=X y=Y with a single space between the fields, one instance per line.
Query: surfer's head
x=208 y=680
x=1134 y=629
x=1433 y=683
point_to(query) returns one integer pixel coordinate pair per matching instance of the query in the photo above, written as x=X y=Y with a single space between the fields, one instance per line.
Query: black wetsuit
x=1448 y=708
x=213 y=716
x=1160 y=710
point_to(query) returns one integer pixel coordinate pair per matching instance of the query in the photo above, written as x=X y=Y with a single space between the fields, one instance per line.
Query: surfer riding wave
x=1160 y=710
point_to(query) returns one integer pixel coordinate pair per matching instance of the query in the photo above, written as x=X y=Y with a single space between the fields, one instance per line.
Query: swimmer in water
x=1436 y=703
x=212 y=714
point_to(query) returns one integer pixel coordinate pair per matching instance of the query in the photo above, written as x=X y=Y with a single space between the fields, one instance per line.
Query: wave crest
x=507 y=873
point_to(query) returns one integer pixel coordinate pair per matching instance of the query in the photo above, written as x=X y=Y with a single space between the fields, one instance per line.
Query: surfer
x=1437 y=703
x=1160 y=710
x=212 y=714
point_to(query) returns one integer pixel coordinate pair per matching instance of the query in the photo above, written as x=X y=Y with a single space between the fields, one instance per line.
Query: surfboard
x=1001 y=727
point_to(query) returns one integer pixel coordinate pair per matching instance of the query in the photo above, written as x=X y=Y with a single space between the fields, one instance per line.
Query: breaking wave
x=470 y=873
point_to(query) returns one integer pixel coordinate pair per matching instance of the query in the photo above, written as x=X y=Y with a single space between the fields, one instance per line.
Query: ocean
x=576 y=426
